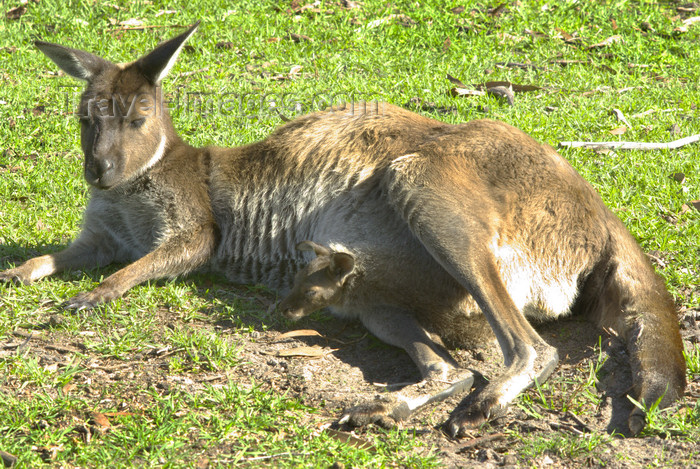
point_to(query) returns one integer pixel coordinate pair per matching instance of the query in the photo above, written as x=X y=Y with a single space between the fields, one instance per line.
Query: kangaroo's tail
x=637 y=305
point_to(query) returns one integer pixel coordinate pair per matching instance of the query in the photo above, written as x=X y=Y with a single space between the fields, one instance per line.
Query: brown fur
x=518 y=233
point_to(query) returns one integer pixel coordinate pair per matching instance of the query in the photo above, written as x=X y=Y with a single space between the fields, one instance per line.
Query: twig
x=621 y=117
x=565 y=426
x=479 y=441
x=145 y=26
x=578 y=421
x=651 y=111
x=61 y=349
x=634 y=145
x=258 y=458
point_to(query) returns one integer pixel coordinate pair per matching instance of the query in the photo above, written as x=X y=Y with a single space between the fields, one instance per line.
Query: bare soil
x=343 y=366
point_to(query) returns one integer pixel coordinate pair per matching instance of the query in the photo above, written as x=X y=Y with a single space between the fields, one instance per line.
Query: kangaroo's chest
x=133 y=222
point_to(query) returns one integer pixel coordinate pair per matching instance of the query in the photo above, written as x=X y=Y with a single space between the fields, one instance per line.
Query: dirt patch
x=340 y=365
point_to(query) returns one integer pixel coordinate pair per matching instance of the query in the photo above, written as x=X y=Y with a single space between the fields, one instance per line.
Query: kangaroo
x=508 y=219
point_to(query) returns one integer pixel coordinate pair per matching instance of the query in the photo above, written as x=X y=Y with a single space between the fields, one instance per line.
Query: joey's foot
x=365 y=414
x=636 y=421
x=481 y=410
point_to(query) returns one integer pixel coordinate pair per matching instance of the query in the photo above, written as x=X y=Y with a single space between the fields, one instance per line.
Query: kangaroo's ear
x=311 y=246
x=76 y=63
x=156 y=64
x=342 y=264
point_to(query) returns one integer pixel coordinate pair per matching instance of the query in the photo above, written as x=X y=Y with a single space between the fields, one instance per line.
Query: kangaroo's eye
x=137 y=122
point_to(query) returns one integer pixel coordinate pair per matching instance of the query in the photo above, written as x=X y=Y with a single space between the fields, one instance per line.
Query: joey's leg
x=441 y=376
x=83 y=253
x=177 y=255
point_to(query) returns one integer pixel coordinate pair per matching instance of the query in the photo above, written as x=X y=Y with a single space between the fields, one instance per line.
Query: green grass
x=42 y=195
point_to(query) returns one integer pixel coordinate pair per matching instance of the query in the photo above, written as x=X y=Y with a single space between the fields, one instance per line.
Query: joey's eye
x=136 y=123
x=311 y=294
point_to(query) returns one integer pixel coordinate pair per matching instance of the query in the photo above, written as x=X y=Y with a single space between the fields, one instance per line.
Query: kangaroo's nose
x=103 y=166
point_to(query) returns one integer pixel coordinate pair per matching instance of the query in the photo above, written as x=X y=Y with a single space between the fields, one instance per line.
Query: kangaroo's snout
x=99 y=172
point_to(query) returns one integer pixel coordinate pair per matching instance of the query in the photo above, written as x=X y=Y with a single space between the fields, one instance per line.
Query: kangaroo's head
x=124 y=127
x=320 y=283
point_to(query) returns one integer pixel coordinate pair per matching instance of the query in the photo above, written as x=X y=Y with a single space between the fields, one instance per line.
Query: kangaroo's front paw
x=85 y=301
x=104 y=293
x=365 y=414
x=12 y=276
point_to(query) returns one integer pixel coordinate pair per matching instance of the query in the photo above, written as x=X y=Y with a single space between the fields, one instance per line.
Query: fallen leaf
x=8 y=460
x=457 y=10
x=678 y=177
x=520 y=65
x=100 y=421
x=225 y=45
x=564 y=62
x=621 y=117
x=456 y=81
x=15 y=13
x=309 y=352
x=687 y=23
x=619 y=130
x=119 y=414
x=68 y=388
x=674 y=129
x=502 y=92
x=53 y=367
x=295 y=70
x=497 y=10
x=535 y=34
x=298 y=333
x=466 y=92
x=646 y=27
x=514 y=86
x=446 y=45
x=669 y=218
x=48 y=453
x=695 y=204
x=299 y=38
x=132 y=22
x=403 y=20
x=568 y=38
x=166 y=12
x=350 y=440
x=273 y=39
x=609 y=41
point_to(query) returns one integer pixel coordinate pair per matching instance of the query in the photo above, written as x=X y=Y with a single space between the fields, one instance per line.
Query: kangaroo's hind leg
x=458 y=225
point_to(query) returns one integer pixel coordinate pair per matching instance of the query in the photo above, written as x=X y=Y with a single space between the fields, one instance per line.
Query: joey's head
x=320 y=283
x=124 y=126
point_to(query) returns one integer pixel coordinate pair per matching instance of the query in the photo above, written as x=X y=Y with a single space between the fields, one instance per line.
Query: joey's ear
x=342 y=264
x=76 y=63
x=311 y=246
x=156 y=64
